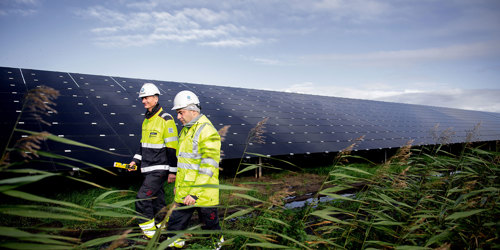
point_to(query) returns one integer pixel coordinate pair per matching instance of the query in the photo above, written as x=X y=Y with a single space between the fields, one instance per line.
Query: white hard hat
x=148 y=89
x=184 y=99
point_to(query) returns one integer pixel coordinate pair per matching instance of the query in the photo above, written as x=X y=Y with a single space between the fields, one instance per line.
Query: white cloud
x=124 y=41
x=105 y=30
x=140 y=32
x=18 y=12
x=234 y=42
x=356 y=93
x=354 y=10
x=103 y=14
x=265 y=20
x=206 y=15
x=265 y=61
x=19 y=7
x=143 y=6
x=200 y=25
x=472 y=99
x=453 y=52
x=29 y=2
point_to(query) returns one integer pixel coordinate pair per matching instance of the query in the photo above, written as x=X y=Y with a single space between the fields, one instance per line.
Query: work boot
x=148 y=228
x=162 y=225
x=218 y=244
x=178 y=243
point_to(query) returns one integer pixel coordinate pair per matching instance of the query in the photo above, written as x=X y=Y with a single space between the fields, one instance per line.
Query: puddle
x=299 y=204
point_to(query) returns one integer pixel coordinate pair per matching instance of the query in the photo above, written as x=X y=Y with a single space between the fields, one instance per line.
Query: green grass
x=325 y=169
x=430 y=199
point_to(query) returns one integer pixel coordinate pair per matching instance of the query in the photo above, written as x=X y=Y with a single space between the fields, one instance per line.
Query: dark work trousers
x=179 y=219
x=152 y=186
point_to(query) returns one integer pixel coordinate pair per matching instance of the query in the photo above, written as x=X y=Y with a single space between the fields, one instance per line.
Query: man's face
x=185 y=116
x=150 y=102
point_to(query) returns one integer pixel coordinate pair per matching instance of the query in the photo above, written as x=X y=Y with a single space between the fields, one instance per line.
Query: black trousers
x=179 y=219
x=152 y=186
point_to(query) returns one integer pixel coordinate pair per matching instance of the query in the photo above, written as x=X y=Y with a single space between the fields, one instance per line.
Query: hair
x=193 y=107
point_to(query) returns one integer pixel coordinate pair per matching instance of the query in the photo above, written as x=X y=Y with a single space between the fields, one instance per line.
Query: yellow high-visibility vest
x=159 y=133
x=198 y=159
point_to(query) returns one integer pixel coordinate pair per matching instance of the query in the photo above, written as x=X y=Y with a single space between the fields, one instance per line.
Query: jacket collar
x=194 y=121
x=153 y=111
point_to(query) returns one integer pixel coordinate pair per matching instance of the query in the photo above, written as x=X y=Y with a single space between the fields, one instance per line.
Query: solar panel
x=105 y=111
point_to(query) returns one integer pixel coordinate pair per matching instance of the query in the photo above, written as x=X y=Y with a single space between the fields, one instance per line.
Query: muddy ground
x=297 y=185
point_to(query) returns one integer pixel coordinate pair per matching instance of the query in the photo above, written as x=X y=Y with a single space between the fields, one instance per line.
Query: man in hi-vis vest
x=156 y=157
x=198 y=159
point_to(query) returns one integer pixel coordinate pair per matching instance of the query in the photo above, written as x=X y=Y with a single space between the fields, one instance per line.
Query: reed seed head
x=223 y=132
x=39 y=101
x=403 y=154
x=277 y=198
x=341 y=156
x=444 y=137
x=473 y=134
x=256 y=134
x=28 y=146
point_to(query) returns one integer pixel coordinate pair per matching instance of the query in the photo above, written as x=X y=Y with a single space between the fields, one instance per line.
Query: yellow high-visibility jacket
x=198 y=159
x=158 y=142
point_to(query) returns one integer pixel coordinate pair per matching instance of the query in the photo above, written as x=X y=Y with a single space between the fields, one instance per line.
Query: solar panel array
x=106 y=112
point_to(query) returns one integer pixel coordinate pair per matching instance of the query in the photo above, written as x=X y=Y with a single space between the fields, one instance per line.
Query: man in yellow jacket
x=198 y=158
x=156 y=157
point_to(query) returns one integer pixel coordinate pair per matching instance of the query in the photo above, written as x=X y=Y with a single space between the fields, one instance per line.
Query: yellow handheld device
x=124 y=166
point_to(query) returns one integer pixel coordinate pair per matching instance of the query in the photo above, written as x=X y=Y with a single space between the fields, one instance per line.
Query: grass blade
x=459 y=215
x=357 y=170
x=240 y=213
x=17 y=233
x=88 y=182
x=117 y=215
x=248 y=197
x=438 y=238
x=325 y=214
x=42 y=214
x=31 y=246
x=277 y=221
x=251 y=167
x=291 y=239
x=62 y=157
x=268 y=245
x=25 y=179
x=31 y=197
x=68 y=141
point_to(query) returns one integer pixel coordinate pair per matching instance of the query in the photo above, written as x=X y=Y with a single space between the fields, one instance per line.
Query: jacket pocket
x=190 y=176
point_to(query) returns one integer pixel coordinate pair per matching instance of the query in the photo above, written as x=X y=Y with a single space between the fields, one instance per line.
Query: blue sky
x=431 y=52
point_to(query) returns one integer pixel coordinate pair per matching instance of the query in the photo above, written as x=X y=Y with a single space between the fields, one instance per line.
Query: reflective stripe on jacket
x=159 y=143
x=198 y=163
